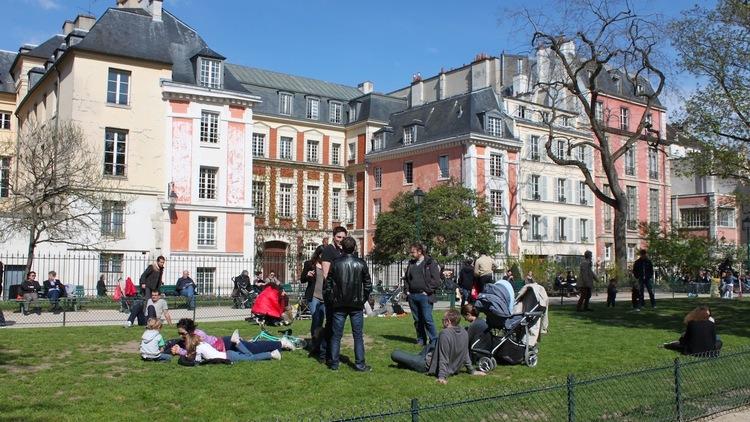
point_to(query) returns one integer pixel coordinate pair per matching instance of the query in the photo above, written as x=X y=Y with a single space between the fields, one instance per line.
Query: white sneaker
x=235 y=337
x=276 y=355
x=286 y=344
x=127 y=324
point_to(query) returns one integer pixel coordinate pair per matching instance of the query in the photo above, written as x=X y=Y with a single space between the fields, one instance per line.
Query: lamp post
x=418 y=199
x=260 y=242
x=746 y=226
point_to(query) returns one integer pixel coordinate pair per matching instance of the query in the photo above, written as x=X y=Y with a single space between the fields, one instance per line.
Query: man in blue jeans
x=643 y=271
x=347 y=288
x=420 y=281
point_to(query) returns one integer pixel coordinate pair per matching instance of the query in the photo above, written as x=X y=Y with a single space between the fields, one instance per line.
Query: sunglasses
x=182 y=333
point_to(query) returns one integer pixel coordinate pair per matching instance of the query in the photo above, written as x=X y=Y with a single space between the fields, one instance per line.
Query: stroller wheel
x=494 y=362
x=485 y=364
x=531 y=361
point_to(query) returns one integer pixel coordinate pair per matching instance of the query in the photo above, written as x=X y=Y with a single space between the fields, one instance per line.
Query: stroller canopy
x=494 y=300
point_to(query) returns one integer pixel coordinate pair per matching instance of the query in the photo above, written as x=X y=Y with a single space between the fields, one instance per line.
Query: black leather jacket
x=348 y=284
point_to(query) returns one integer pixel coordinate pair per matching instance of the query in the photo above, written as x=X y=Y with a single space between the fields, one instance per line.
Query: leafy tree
x=714 y=45
x=453 y=222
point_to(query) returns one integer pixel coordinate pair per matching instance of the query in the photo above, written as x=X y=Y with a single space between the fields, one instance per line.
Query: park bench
x=74 y=301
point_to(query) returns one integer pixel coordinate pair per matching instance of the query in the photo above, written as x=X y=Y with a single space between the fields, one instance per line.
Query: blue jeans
x=189 y=293
x=162 y=357
x=421 y=311
x=643 y=286
x=317 y=315
x=251 y=347
x=358 y=321
x=236 y=356
x=54 y=297
x=465 y=295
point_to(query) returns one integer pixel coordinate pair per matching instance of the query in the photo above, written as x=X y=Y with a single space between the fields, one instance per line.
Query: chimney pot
x=366 y=87
x=68 y=27
x=84 y=22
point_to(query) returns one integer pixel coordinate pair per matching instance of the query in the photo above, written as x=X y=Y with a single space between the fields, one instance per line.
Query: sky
x=343 y=41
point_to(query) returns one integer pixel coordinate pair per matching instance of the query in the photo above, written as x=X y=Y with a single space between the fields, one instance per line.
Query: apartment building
x=7 y=120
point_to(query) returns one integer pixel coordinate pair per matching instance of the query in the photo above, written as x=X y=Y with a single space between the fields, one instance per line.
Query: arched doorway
x=275 y=259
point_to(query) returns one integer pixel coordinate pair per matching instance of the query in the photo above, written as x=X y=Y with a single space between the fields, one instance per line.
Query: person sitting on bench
x=30 y=290
x=186 y=287
x=700 y=335
x=156 y=307
x=53 y=291
x=450 y=353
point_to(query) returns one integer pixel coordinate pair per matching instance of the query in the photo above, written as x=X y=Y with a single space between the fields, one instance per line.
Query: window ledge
x=210 y=145
x=112 y=177
x=122 y=106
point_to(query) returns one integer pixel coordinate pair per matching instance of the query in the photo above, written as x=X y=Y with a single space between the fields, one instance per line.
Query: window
x=624 y=118
x=4 y=177
x=110 y=265
x=631 y=251
x=443 y=166
x=494 y=126
x=567 y=121
x=312 y=151
x=259 y=198
x=607 y=251
x=535 y=183
x=210 y=73
x=653 y=163
x=4 y=120
x=350 y=212
x=562 y=150
x=534 y=148
x=285 y=103
x=694 y=217
x=653 y=205
x=353 y=112
x=206 y=231
x=285 y=148
x=336 y=154
x=378 y=176
x=310 y=249
x=583 y=193
x=334 y=112
x=496 y=165
x=209 y=127
x=312 y=202
x=496 y=202
x=599 y=112
x=726 y=217
x=114 y=152
x=630 y=161
x=207 y=183
x=204 y=280
x=521 y=111
x=408 y=173
x=313 y=108
x=536 y=233
x=350 y=182
x=113 y=218
x=259 y=145
x=519 y=66
x=352 y=151
x=285 y=200
x=561 y=194
x=378 y=141
x=562 y=228
x=118 y=85
x=632 y=194
x=410 y=134
x=607 y=210
x=377 y=208
x=336 y=205
x=583 y=229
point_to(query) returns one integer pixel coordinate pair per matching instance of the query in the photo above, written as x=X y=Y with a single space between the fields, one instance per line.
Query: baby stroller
x=243 y=293
x=269 y=307
x=510 y=337
x=302 y=310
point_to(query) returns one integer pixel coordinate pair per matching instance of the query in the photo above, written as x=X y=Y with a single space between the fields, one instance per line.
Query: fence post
x=678 y=389
x=64 y=314
x=571 y=398
x=414 y=410
x=195 y=305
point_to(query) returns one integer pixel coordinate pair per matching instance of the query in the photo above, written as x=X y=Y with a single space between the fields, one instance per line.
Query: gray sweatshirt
x=451 y=353
x=151 y=344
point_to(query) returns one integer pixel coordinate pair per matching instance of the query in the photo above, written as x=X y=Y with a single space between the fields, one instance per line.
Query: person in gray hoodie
x=152 y=343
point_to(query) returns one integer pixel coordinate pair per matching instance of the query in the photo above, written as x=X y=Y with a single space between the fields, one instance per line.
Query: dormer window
x=378 y=142
x=410 y=134
x=285 y=103
x=335 y=111
x=494 y=126
x=209 y=74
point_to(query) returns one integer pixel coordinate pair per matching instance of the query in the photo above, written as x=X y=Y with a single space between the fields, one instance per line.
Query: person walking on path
x=151 y=279
x=347 y=288
x=586 y=280
x=421 y=279
x=331 y=252
x=643 y=271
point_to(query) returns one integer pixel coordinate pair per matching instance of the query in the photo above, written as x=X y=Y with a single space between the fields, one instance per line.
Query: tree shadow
x=398 y=338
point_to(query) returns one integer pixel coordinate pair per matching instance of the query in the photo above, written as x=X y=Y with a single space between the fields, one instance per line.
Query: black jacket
x=699 y=337
x=643 y=269
x=466 y=277
x=348 y=284
x=48 y=285
x=30 y=287
x=183 y=283
x=306 y=279
x=431 y=275
x=151 y=277
x=242 y=282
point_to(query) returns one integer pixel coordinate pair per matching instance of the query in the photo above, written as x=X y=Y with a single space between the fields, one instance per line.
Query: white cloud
x=47 y=4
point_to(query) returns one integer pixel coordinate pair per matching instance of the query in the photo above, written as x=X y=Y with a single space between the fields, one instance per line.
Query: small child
x=152 y=343
x=611 y=292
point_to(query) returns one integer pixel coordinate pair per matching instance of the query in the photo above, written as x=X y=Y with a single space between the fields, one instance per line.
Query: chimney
x=520 y=84
x=416 y=92
x=568 y=49
x=68 y=27
x=441 y=85
x=26 y=48
x=84 y=22
x=480 y=72
x=155 y=7
x=366 y=87
x=128 y=4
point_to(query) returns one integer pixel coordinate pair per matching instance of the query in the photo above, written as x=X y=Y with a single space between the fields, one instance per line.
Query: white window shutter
x=557 y=230
x=569 y=232
x=569 y=191
x=574 y=194
x=543 y=188
x=527 y=145
x=556 y=183
x=589 y=230
x=543 y=228
x=529 y=188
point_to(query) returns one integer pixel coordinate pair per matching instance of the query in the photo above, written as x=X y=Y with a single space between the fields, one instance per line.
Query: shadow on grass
x=401 y=339
x=10 y=357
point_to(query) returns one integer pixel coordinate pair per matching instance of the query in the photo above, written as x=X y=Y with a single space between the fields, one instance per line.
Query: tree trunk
x=31 y=249
x=621 y=241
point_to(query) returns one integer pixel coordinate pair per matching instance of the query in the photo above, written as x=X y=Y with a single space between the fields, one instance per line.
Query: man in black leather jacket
x=347 y=288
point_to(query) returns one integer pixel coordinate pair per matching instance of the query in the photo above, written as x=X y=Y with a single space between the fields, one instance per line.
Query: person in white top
x=199 y=351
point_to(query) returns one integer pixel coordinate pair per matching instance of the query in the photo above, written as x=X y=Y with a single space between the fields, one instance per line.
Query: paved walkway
x=743 y=415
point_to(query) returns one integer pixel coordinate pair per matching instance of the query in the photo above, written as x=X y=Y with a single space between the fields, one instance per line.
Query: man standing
x=186 y=287
x=348 y=285
x=151 y=279
x=643 y=271
x=586 y=281
x=421 y=279
x=331 y=252
x=466 y=281
x=484 y=268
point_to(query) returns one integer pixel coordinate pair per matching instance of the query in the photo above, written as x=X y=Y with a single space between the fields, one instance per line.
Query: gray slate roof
x=298 y=84
x=47 y=48
x=377 y=106
x=607 y=84
x=6 y=81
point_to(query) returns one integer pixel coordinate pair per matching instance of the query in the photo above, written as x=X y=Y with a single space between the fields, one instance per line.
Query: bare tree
x=58 y=190
x=599 y=39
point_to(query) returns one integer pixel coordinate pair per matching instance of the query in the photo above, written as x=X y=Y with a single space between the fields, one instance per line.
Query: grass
x=95 y=373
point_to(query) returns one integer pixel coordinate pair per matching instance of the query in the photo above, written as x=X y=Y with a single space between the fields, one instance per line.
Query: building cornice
x=187 y=92
x=464 y=139
x=276 y=163
x=209 y=208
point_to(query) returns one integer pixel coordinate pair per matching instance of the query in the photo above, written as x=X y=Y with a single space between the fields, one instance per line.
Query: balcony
x=536 y=197
x=561 y=199
x=535 y=156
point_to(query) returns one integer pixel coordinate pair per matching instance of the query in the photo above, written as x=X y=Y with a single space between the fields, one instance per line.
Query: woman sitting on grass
x=700 y=334
x=186 y=326
x=198 y=351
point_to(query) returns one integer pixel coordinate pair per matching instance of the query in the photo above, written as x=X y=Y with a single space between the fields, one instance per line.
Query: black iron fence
x=686 y=389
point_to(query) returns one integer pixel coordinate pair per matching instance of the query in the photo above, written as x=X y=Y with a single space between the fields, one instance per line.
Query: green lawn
x=95 y=373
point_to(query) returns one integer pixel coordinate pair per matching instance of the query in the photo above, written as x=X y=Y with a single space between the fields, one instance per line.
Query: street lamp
x=746 y=226
x=418 y=199
x=260 y=242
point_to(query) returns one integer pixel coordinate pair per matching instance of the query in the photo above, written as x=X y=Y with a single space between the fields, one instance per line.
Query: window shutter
x=556 y=183
x=529 y=188
x=574 y=194
x=589 y=230
x=569 y=230
x=527 y=154
x=543 y=228
x=569 y=191
x=557 y=230
x=543 y=188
